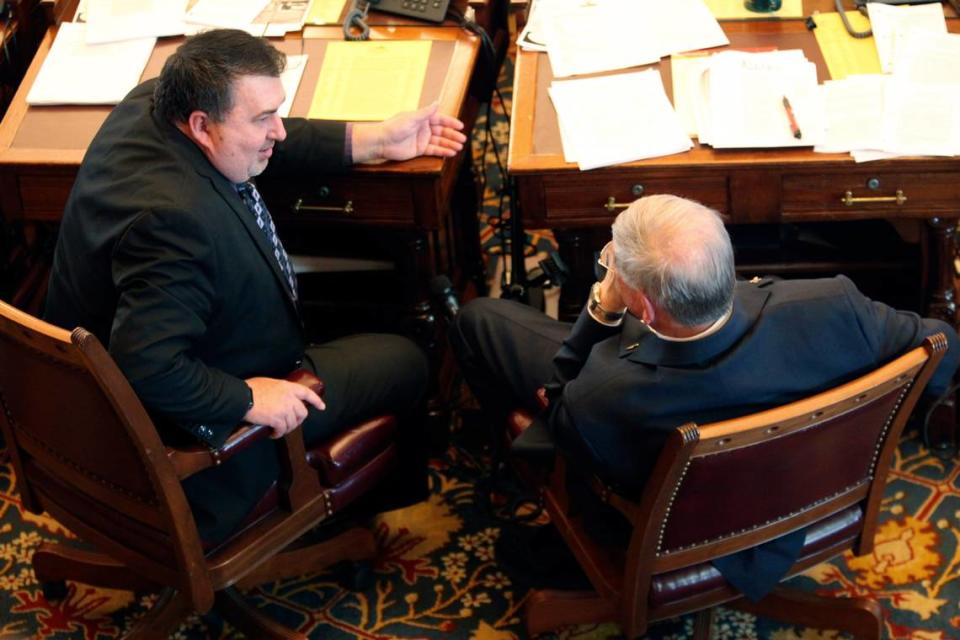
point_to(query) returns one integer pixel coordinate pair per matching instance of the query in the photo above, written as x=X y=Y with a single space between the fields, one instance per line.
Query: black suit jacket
x=159 y=257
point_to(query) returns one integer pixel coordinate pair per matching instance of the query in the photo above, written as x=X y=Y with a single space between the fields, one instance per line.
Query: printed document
x=75 y=72
x=854 y=111
x=370 y=80
x=921 y=119
x=893 y=23
x=115 y=20
x=618 y=118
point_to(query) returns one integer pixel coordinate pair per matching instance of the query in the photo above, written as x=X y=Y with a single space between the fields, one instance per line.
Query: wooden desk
x=745 y=186
x=41 y=149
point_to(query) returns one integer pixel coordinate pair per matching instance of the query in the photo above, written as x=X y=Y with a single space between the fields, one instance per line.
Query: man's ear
x=197 y=128
x=649 y=314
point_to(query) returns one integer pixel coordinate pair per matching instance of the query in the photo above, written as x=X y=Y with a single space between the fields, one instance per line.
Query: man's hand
x=424 y=132
x=610 y=297
x=279 y=404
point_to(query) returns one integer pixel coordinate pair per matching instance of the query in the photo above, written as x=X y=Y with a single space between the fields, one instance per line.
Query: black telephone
x=355 y=27
x=861 y=5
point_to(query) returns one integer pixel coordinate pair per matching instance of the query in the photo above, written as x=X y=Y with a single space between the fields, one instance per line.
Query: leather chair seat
x=697 y=580
x=349 y=465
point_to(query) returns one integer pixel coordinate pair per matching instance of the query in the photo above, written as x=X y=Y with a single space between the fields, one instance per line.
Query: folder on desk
x=370 y=80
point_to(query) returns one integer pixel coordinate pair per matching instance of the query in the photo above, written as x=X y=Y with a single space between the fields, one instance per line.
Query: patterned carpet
x=440 y=574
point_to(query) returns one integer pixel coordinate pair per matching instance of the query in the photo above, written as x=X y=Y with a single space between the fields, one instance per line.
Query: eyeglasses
x=605 y=257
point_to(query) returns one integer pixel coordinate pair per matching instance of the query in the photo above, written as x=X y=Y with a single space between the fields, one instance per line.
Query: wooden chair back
x=84 y=450
x=736 y=484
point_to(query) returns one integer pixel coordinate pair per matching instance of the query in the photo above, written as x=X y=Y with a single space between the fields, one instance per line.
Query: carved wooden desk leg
x=942 y=249
x=941 y=303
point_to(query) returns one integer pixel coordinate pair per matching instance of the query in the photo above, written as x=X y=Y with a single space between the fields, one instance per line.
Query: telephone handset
x=355 y=27
x=861 y=5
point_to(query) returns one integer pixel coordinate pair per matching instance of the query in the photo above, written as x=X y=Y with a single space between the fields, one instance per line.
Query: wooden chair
x=85 y=451
x=818 y=464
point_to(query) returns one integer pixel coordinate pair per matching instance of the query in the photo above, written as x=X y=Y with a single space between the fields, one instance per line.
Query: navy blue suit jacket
x=618 y=392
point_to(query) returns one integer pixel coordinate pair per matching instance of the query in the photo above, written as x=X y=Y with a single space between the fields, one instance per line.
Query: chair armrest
x=191 y=459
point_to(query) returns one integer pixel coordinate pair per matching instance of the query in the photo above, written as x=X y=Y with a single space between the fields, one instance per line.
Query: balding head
x=678 y=253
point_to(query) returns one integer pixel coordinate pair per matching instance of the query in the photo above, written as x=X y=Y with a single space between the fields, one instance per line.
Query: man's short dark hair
x=199 y=76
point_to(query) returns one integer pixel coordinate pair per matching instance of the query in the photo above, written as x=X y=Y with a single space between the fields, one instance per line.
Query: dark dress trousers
x=159 y=257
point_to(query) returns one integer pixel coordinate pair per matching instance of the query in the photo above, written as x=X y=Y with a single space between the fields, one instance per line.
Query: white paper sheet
x=291 y=76
x=854 y=110
x=637 y=123
x=928 y=58
x=75 y=72
x=687 y=25
x=890 y=24
x=921 y=119
x=599 y=36
x=117 y=20
x=235 y=14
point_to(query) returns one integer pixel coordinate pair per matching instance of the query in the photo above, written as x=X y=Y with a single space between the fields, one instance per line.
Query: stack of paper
x=617 y=118
x=600 y=35
x=75 y=72
x=911 y=112
x=768 y=99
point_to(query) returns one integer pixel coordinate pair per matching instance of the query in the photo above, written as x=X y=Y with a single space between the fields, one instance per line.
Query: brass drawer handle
x=849 y=200
x=612 y=205
x=346 y=209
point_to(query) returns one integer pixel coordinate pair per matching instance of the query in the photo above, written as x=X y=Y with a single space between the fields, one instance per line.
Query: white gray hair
x=678 y=253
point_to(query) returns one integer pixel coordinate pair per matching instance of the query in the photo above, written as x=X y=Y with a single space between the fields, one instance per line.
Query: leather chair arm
x=189 y=460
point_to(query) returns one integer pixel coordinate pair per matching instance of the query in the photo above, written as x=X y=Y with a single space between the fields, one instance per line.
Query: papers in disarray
x=75 y=72
x=617 y=118
x=911 y=112
x=736 y=99
x=600 y=35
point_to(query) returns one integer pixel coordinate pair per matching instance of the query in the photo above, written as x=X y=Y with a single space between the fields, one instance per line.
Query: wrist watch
x=597 y=310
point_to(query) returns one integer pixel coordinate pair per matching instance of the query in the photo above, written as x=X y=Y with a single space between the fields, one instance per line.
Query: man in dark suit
x=167 y=254
x=669 y=336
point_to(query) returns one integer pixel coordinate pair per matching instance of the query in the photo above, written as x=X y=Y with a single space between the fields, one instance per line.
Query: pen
x=794 y=127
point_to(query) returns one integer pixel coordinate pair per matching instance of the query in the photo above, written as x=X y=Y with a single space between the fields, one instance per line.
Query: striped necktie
x=251 y=197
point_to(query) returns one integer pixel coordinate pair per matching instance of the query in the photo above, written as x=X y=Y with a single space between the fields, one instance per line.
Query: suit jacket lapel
x=226 y=190
x=639 y=344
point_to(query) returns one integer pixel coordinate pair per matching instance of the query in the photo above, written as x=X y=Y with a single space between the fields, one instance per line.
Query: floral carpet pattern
x=439 y=574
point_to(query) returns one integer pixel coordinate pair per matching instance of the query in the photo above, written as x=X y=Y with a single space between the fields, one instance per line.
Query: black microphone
x=441 y=289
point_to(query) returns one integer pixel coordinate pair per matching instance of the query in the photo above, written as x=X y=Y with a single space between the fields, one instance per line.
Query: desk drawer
x=582 y=197
x=871 y=194
x=352 y=199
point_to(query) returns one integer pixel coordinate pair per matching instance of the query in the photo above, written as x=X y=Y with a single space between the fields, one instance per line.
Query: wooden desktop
x=404 y=208
x=745 y=186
